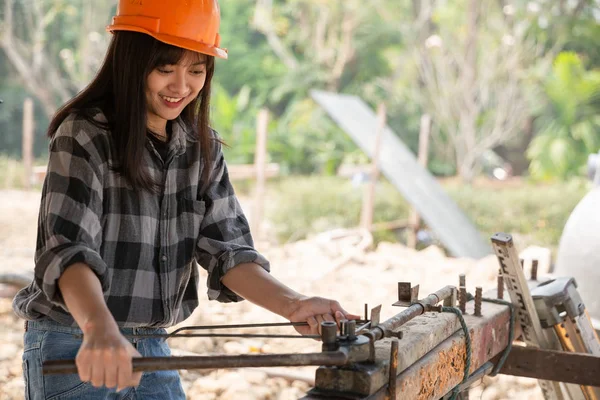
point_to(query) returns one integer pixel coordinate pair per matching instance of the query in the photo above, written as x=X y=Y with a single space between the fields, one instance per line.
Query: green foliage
x=232 y=117
x=251 y=62
x=306 y=141
x=301 y=206
x=537 y=212
x=570 y=123
x=374 y=64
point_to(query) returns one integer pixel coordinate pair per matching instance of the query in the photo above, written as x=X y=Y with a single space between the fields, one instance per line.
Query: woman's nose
x=179 y=84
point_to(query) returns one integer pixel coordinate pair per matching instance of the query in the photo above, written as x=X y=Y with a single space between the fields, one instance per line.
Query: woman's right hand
x=104 y=358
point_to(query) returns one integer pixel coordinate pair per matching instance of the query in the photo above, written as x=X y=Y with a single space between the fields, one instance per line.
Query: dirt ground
x=322 y=266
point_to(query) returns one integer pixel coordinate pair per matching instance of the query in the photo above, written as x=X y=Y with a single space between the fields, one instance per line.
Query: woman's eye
x=198 y=72
x=163 y=71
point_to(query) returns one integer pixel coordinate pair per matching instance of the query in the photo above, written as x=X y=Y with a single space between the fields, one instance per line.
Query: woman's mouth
x=172 y=102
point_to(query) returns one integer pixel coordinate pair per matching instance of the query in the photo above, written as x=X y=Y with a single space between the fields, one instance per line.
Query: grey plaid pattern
x=142 y=246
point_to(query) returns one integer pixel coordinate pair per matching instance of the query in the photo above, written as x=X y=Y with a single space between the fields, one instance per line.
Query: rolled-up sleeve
x=225 y=239
x=70 y=214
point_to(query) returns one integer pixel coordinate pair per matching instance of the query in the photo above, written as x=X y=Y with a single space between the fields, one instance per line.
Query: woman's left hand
x=315 y=310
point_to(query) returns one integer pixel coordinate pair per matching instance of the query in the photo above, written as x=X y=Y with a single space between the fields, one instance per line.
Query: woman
x=137 y=190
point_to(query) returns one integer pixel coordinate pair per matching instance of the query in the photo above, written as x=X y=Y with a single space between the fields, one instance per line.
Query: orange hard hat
x=189 y=24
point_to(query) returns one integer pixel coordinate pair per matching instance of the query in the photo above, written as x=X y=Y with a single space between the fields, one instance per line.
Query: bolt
x=329 y=335
x=462 y=300
x=366 y=312
x=534 y=269
x=462 y=295
x=478 y=295
x=500 y=286
x=351 y=330
x=348 y=329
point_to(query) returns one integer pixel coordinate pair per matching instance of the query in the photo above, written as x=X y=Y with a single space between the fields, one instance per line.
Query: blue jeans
x=48 y=340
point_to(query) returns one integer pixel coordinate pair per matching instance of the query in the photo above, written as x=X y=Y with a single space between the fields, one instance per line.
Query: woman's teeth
x=172 y=99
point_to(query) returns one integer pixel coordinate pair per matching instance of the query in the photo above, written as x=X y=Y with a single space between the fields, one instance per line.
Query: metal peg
x=500 y=287
x=329 y=335
x=462 y=295
x=534 y=269
x=348 y=329
x=478 y=297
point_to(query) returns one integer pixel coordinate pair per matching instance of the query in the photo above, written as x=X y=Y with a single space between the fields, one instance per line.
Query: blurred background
x=500 y=100
x=511 y=87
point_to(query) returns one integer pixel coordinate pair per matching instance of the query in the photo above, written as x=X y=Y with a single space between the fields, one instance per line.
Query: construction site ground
x=325 y=265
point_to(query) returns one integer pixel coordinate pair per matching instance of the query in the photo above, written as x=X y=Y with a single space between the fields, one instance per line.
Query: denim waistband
x=51 y=325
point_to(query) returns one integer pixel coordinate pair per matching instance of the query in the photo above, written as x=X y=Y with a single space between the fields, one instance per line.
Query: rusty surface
x=393 y=370
x=411 y=312
x=577 y=368
x=442 y=368
x=420 y=336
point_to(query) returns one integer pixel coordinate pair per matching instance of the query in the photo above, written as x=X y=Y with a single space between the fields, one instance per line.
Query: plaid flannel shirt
x=142 y=246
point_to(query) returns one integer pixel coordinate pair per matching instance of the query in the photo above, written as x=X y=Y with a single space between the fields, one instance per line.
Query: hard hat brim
x=173 y=40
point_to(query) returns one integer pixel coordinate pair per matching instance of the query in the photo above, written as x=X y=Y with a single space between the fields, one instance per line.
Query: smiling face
x=171 y=87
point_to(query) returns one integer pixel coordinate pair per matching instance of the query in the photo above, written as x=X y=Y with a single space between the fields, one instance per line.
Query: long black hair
x=119 y=90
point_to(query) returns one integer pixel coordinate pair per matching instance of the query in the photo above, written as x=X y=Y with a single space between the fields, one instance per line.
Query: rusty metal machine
x=438 y=345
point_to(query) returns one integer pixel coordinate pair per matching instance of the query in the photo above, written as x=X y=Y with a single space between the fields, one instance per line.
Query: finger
x=313 y=325
x=110 y=369
x=320 y=320
x=124 y=378
x=329 y=317
x=97 y=368
x=84 y=366
x=335 y=306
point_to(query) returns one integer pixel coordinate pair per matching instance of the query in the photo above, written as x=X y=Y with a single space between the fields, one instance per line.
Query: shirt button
x=164 y=258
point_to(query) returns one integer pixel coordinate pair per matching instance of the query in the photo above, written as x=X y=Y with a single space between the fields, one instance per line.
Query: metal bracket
x=375 y=316
x=407 y=294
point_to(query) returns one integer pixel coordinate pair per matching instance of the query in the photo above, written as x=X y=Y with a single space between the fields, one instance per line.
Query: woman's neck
x=161 y=134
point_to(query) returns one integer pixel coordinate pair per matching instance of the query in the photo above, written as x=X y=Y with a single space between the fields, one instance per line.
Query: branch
x=319 y=37
x=263 y=21
x=578 y=8
x=346 y=51
x=8 y=21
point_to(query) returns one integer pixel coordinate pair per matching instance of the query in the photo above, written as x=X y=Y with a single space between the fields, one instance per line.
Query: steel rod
x=229 y=335
x=213 y=362
x=238 y=326
x=411 y=312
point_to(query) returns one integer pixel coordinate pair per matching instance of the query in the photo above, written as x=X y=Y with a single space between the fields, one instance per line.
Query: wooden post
x=414 y=221
x=260 y=162
x=366 y=218
x=27 y=144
